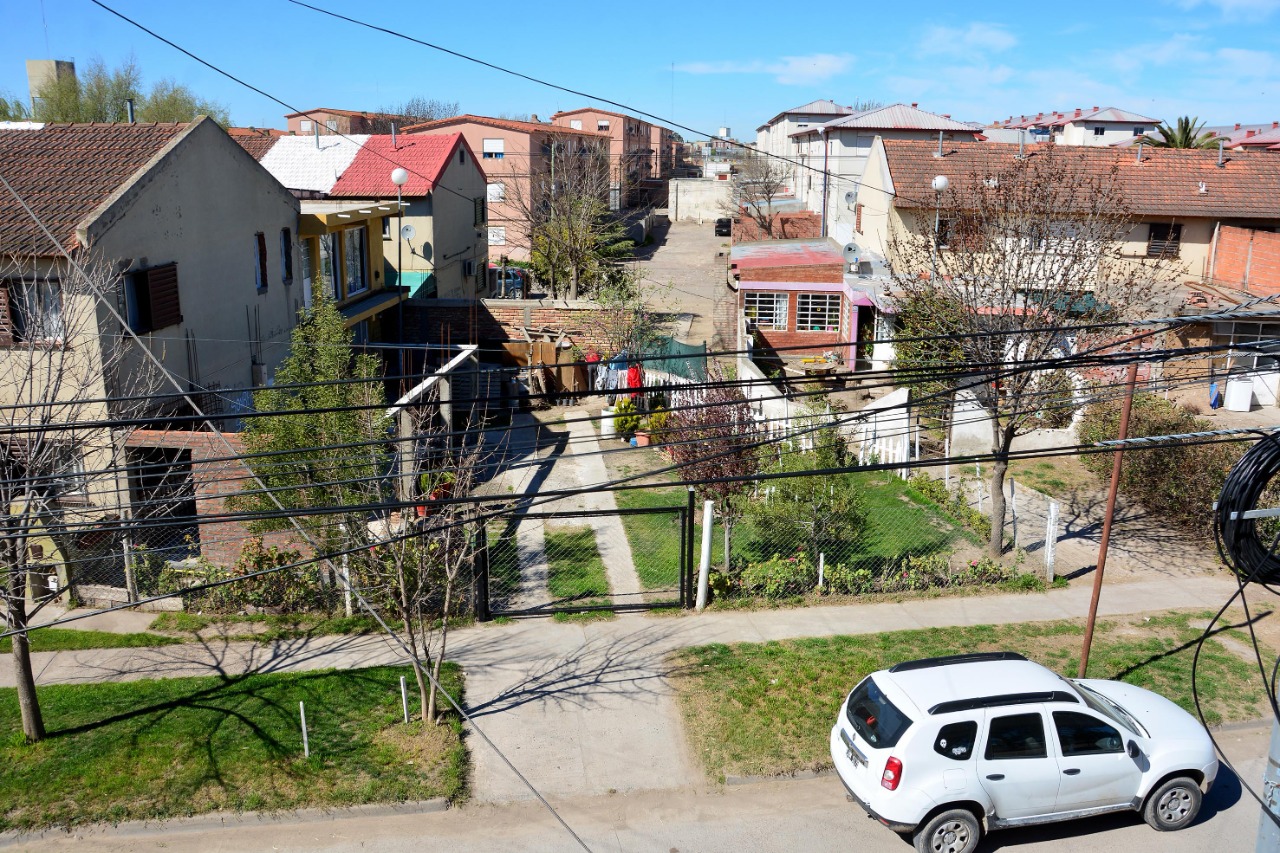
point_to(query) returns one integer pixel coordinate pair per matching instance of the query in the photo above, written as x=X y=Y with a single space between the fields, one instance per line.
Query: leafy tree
x=326 y=416
x=97 y=93
x=820 y=514
x=713 y=436
x=1014 y=269
x=13 y=109
x=1187 y=133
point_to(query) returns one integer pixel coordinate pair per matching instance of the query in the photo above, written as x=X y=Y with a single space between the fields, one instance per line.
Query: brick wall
x=1247 y=259
x=786 y=226
x=498 y=320
x=822 y=273
x=215 y=478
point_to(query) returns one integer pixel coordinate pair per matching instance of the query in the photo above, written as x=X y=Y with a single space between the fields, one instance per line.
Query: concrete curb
x=784 y=777
x=228 y=820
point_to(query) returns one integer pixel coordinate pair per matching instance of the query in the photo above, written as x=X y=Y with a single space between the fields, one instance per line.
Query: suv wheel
x=955 y=831
x=1173 y=805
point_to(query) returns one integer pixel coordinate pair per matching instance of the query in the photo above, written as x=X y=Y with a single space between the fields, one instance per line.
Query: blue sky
x=702 y=65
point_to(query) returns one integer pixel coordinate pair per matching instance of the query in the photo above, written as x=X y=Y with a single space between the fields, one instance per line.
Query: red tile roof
x=257 y=146
x=501 y=123
x=65 y=171
x=425 y=156
x=1166 y=182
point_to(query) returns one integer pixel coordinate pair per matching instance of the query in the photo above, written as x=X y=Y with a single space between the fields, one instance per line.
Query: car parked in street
x=724 y=227
x=944 y=749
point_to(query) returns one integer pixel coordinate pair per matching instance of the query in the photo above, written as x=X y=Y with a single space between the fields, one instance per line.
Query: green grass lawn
x=158 y=749
x=768 y=708
x=63 y=640
x=655 y=538
x=575 y=570
x=504 y=563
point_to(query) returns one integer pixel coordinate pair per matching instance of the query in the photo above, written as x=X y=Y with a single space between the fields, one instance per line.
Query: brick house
x=514 y=156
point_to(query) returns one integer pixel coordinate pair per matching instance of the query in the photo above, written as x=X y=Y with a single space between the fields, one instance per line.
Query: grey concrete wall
x=697 y=199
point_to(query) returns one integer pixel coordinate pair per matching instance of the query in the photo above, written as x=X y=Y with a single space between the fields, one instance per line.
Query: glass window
x=767 y=310
x=35 y=308
x=497 y=235
x=497 y=191
x=305 y=249
x=602 y=126
x=955 y=740
x=818 y=312
x=874 y=717
x=575 y=123
x=67 y=470
x=304 y=126
x=260 y=261
x=353 y=260
x=1081 y=734
x=1098 y=131
x=493 y=149
x=1016 y=736
x=329 y=265
x=286 y=255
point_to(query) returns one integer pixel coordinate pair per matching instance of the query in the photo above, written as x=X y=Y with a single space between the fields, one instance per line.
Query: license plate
x=852 y=752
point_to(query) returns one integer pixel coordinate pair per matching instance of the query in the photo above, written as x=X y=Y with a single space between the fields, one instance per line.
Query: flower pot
x=642 y=438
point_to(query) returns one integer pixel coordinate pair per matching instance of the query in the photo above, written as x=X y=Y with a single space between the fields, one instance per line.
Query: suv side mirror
x=1133 y=750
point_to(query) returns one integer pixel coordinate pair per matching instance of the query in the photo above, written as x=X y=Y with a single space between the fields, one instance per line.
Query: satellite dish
x=850 y=197
x=408 y=232
x=851 y=252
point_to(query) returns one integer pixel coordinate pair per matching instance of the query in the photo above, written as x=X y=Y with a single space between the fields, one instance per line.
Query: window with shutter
x=286 y=255
x=162 y=284
x=6 y=323
x=481 y=214
x=260 y=261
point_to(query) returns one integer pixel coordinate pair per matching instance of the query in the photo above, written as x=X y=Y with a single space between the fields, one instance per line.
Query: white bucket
x=607 y=429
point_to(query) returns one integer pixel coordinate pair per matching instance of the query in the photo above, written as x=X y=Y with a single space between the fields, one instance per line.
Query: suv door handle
x=1074 y=771
x=996 y=777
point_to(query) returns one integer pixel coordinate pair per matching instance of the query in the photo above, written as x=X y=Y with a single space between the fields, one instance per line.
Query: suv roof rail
x=972 y=657
x=1003 y=699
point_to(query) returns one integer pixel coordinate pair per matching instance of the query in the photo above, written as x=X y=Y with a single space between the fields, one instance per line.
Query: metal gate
x=541 y=563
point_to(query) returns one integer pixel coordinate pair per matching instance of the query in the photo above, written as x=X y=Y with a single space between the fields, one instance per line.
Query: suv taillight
x=892 y=774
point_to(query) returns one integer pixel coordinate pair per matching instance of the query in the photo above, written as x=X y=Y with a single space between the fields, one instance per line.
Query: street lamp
x=940 y=184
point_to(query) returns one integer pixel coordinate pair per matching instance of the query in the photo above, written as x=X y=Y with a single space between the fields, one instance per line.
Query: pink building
x=327 y=121
x=511 y=153
x=638 y=150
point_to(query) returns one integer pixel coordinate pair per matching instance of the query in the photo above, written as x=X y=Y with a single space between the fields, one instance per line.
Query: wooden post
x=1116 y=463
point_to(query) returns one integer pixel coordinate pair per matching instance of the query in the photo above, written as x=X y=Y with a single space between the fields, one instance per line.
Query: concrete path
x=522 y=470
x=587 y=708
x=685 y=272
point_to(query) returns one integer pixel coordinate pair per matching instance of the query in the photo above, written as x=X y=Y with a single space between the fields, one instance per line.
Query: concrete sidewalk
x=588 y=708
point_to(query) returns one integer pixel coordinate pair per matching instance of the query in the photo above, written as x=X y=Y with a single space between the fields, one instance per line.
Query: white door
x=1015 y=765
x=1096 y=769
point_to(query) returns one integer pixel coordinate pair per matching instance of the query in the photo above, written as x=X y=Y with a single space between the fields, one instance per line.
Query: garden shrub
x=779 y=577
x=1176 y=483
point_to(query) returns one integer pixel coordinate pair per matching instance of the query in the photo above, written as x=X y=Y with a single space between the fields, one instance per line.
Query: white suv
x=938 y=748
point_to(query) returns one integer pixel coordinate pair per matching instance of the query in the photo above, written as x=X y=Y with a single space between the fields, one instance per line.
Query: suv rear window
x=874 y=717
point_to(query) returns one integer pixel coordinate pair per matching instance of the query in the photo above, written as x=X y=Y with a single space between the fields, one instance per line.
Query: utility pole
x=1117 y=462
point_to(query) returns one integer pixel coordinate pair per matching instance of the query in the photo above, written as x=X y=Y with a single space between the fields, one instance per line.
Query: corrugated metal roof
x=785 y=253
x=821 y=107
x=300 y=163
x=1058 y=118
x=1166 y=182
x=895 y=117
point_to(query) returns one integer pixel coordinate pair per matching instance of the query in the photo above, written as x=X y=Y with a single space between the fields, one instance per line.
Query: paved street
x=809 y=815
x=684 y=257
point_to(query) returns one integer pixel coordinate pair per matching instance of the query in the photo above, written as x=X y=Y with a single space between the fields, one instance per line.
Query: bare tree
x=65 y=382
x=575 y=241
x=626 y=319
x=1014 y=264
x=415 y=110
x=716 y=437
x=755 y=186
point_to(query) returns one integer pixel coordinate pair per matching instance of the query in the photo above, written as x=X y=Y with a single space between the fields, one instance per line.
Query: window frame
x=1044 y=738
x=1172 y=237
x=495 y=191
x=1073 y=752
x=758 y=296
x=500 y=231
x=260 y=262
x=361 y=237
x=948 y=750
x=493 y=148
x=19 y=323
x=286 y=255
x=804 y=307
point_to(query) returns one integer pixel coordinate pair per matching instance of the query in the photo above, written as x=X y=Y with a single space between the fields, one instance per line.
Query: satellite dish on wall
x=408 y=232
x=850 y=197
x=851 y=252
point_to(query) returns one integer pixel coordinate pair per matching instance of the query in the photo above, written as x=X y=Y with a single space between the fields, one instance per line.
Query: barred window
x=767 y=310
x=818 y=312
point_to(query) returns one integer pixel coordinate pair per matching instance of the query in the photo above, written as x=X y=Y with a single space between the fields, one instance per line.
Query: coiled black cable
x=1252 y=559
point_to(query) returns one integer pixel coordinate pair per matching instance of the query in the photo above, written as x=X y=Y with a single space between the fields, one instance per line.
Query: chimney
x=533 y=117
x=1077 y=112
x=1275 y=124
x=1237 y=126
x=914 y=104
x=394 y=146
x=1249 y=133
x=1095 y=109
x=128 y=108
x=946 y=115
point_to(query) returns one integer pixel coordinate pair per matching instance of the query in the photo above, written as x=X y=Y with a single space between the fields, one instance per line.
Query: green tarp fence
x=687 y=361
